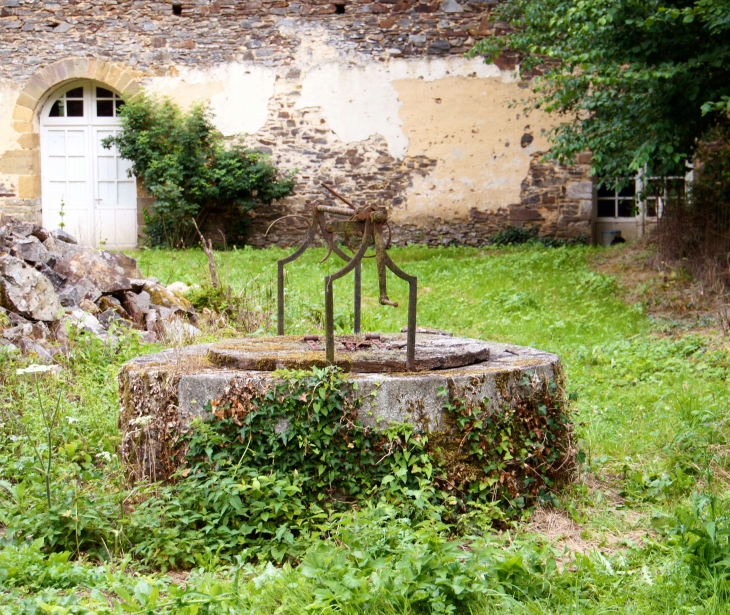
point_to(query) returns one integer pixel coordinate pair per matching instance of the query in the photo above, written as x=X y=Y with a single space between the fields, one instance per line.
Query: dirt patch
x=562 y=532
x=668 y=291
x=628 y=527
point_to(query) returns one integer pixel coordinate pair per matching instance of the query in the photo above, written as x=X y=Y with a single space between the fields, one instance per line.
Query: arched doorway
x=99 y=198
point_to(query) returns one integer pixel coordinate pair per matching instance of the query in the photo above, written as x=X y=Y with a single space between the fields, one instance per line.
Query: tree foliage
x=639 y=83
x=185 y=164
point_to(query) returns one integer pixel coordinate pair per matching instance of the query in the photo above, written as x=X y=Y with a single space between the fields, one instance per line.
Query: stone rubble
x=49 y=285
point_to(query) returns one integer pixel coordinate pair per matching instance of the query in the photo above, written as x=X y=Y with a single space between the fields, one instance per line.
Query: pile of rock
x=49 y=285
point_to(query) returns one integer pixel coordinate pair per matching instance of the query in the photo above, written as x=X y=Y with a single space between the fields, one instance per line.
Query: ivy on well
x=271 y=465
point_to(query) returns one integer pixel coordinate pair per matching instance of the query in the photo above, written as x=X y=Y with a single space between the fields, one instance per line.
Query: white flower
x=105 y=455
x=35 y=369
x=72 y=419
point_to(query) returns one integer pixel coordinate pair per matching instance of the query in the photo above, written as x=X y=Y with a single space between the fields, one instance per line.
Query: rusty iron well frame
x=370 y=223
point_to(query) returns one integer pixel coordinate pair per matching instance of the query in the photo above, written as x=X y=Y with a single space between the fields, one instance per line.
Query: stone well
x=162 y=393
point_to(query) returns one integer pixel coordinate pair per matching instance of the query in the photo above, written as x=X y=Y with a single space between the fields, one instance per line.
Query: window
x=658 y=190
x=644 y=195
x=71 y=104
x=617 y=203
x=74 y=102
x=107 y=103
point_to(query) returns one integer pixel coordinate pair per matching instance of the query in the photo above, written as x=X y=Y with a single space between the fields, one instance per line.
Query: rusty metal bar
x=412 y=306
x=332 y=191
x=340 y=211
x=280 y=274
x=329 y=318
x=372 y=221
x=357 y=300
x=358 y=296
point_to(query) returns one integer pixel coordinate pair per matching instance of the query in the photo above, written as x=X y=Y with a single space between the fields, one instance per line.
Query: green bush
x=187 y=167
x=518 y=235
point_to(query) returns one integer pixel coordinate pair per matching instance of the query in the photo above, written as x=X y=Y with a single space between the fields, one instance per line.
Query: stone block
x=57 y=72
x=524 y=214
x=586 y=209
x=36 y=87
x=580 y=190
x=29 y=186
x=20 y=162
x=113 y=75
x=91 y=67
x=69 y=65
x=24 y=114
x=23 y=127
x=131 y=89
x=79 y=68
x=123 y=82
x=29 y=140
x=102 y=70
x=451 y=6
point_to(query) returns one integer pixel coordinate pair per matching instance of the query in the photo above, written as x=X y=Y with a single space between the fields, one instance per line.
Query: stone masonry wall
x=149 y=37
x=374 y=97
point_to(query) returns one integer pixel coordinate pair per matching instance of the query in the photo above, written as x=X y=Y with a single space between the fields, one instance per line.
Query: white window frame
x=640 y=201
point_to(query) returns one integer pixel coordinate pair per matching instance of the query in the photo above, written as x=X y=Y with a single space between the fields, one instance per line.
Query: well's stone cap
x=353 y=353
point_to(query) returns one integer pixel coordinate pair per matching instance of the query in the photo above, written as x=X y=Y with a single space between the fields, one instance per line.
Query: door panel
x=65 y=171
x=100 y=201
x=115 y=208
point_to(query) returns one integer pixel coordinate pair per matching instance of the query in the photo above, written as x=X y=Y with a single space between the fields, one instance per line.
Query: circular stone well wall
x=162 y=393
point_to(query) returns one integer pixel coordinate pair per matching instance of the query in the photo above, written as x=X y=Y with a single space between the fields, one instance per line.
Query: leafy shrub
x=185 y=165
x=26 y=565
x=517 y=235
x=248 y=309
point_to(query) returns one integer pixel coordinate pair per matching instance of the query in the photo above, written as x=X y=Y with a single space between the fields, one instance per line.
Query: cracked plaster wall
x=380 y=102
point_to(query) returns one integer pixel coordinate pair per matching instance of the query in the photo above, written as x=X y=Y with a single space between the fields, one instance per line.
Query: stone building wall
x=375 y=97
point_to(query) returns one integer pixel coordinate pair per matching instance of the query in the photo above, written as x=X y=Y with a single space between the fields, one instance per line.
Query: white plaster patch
x=8 y=137
x=238 y=94
x=359 y=102
x=356 y=102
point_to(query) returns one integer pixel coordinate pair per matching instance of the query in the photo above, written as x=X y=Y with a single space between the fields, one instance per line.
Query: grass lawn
x=644 y=528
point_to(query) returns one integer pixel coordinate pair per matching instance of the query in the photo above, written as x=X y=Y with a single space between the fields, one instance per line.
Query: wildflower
x=105 y=455
x=36 y=369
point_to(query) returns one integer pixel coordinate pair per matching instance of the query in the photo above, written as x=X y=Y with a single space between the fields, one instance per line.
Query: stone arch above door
x=24 y=162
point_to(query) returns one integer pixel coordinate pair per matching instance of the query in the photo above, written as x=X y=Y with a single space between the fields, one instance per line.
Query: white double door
x=99 y=199
x=85 y=186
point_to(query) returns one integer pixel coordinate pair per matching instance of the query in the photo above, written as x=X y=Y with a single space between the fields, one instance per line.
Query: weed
x=650 y=408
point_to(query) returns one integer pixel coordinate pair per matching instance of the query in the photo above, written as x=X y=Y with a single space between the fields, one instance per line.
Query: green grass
x=650 y=411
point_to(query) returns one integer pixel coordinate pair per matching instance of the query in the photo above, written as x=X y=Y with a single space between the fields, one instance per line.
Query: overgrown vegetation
x=643 y=86
x=638 y=84
x=518 y=235
x=694 y=229
x=186 y=165
x=648 y=510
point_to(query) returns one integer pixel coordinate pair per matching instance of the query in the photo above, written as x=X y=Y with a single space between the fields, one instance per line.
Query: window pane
x=675 y=187
x=606 y=209
x=104 y=108
x=57 y=109
x=604 y=192
x=118 y=104
x=103 y=93
x=629 y=190
x=654 y=187
x=626 y=208
x=651 y=208
x=75 y=108
x=75 y=93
